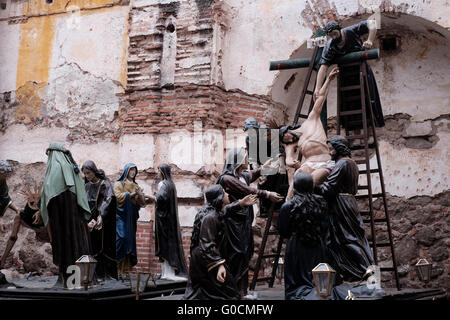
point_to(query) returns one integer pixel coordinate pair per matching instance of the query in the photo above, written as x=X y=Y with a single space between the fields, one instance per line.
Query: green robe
x=59 y=177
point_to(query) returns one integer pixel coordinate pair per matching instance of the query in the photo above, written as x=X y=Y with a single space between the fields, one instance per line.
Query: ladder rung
x=351 y=98
x=351 y=87
x=363 y=187
x=264 y=279
x=304 y=116
x=360 y=161
x=273 y=255
x=364 y=212
x=358 y=136
x=309 y=92
x=349 y=113
x=365 y=196
x=375 y=220
x=371 y=171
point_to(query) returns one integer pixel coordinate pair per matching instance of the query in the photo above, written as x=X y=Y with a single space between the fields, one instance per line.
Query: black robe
x=238 y=226
x=303 y=222
x=168 y=241
x=5 y=200
x=69 y=230
x=207 y=255
x=102 y=201
x=353 y=43
x=348 y=245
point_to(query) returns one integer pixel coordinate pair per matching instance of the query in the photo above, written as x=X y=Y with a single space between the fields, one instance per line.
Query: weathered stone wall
x=171 y=81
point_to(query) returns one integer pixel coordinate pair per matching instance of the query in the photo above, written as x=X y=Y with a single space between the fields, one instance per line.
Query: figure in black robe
x=103 y=208
x=206 y=255
x=239 y=244
x=64 y=207
x=348 y=245
x=353 y=43
x=168 y=241
x=303 y=221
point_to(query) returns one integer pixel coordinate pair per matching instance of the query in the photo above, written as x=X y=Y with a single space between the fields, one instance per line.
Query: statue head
x=216 y=196
x=251 y=123
x=333 y=30
x=303 y=183
x=338 y=147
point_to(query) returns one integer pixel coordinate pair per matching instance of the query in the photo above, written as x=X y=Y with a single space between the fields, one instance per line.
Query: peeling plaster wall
x=64 y=68
x=251 y=41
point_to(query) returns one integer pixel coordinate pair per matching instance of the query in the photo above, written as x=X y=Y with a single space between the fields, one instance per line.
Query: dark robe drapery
x=168 y=241
x=238 y=226
x=353 y=43
x=348 y=245
x=69 y=230
x=303 y=221
x=102 y=202
x=5 y=200
x=207 y=255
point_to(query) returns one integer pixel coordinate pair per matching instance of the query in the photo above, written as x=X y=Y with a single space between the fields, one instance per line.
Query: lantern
x=138 y=282
x=323 y=276
x=87 y=264
x=423 y=268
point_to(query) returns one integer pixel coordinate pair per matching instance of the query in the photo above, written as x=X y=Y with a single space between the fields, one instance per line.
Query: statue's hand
x=37 y=218
x=367 y=44
x=99 y=223
x=334 y=72
x=91 y=225
x=275 y=197
x=221 y=274
x=248 y=200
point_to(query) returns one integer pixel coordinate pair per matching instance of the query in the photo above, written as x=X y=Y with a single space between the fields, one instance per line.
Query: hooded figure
x=64 y=208
x=103 y=208
x=303 y=221
x=348 y=245
x=207 y=250
x=129 y=200
x=238 y=226
x=168 y=241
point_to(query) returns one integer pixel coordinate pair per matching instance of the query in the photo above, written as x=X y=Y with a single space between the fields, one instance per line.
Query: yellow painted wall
x=37 y=36
x=37 y=7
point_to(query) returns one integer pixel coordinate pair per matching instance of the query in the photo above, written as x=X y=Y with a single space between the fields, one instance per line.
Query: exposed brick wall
x=145 y=245
x=194 y=27
x=162 y=111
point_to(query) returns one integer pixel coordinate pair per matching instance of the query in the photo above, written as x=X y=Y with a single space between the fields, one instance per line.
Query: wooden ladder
x=355 y=112
x=276 y=256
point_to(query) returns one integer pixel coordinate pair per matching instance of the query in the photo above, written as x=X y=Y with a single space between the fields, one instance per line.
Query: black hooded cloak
x=102 y=202
x=348 y=245
x=238 y=247
x=303 y=221
x=168 y=242
x=206 y=251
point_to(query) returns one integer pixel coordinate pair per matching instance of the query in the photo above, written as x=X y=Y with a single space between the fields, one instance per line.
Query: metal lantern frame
x=138 y=282
x=423 y=270
x=87 y=264
x=320 y=269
